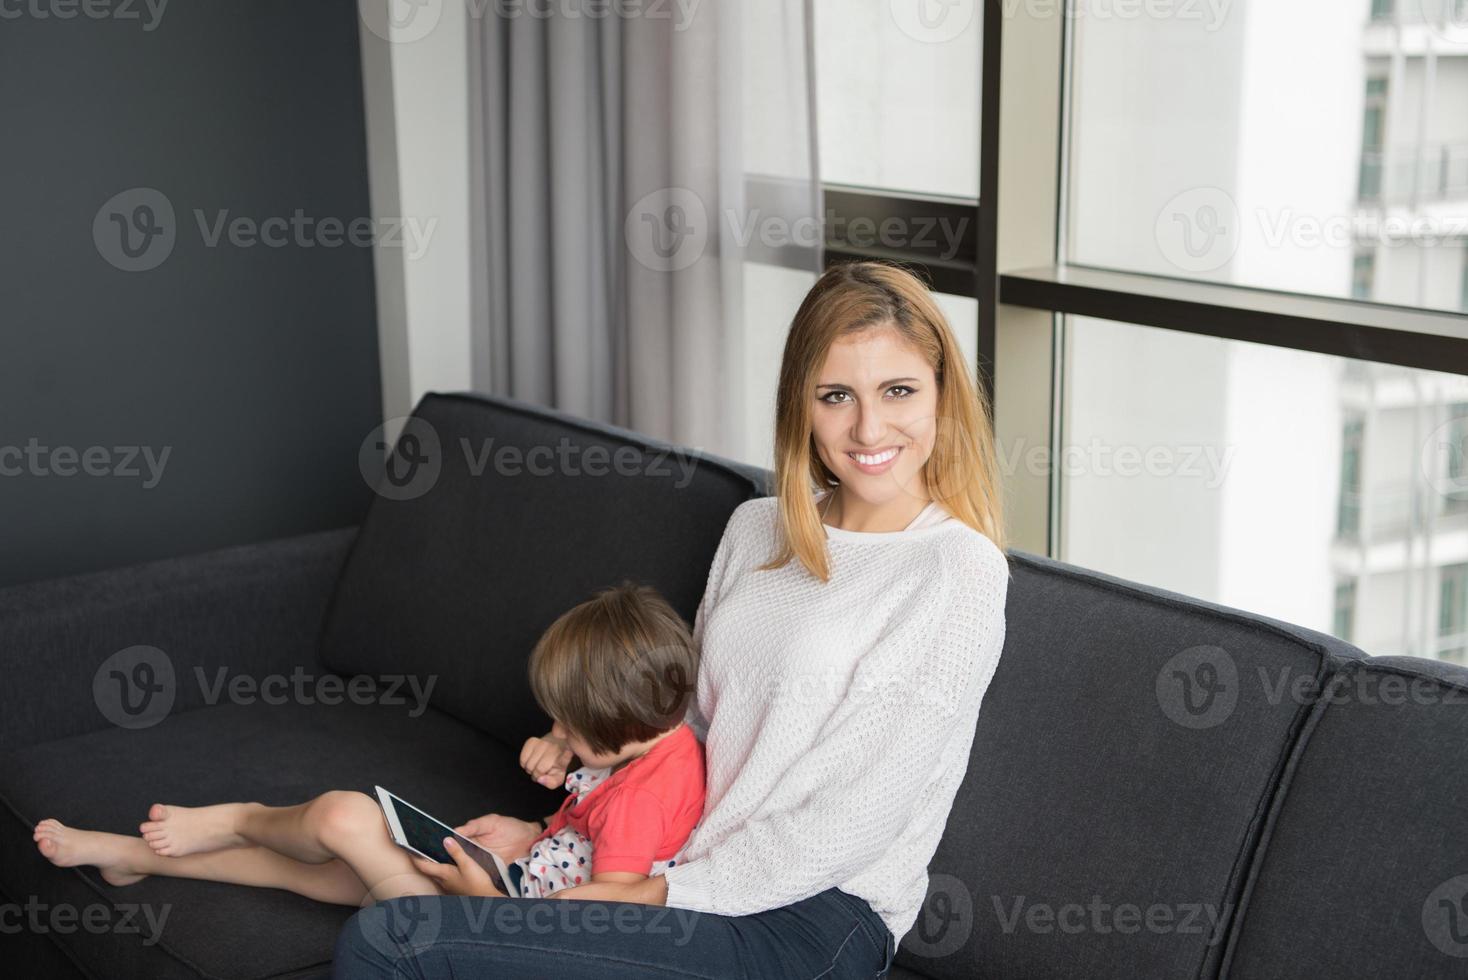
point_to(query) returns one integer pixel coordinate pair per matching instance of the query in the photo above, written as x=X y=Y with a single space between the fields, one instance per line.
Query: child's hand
x=546 y=760
x=505 y=836
x=463 y=877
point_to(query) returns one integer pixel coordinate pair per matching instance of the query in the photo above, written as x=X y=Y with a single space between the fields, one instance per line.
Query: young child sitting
x=614 y=672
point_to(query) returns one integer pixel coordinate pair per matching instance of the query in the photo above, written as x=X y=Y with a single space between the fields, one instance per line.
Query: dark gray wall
x=254 y=367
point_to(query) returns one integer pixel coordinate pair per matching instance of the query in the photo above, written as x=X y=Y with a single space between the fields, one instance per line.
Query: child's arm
x=620 y=886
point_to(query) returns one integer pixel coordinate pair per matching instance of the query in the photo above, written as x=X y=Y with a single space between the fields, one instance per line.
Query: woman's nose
x=870 y=425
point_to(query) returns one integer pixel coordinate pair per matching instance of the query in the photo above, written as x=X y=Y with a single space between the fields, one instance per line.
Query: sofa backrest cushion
x=1125 y=756
x=1363 y=870
x=498 y=518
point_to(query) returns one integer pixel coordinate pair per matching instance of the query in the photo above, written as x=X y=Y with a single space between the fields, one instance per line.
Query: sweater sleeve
x=876 y=760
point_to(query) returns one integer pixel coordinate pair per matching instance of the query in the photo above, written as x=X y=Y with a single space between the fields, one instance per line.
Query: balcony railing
x=1438 y=172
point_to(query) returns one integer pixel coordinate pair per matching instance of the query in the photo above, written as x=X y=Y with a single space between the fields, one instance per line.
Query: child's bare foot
x=177 y=831
x=67 y=847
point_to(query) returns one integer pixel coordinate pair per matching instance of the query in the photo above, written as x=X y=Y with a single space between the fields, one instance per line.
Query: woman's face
x=874 y=417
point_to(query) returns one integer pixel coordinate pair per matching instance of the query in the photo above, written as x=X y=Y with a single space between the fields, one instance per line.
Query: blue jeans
x=830 y=936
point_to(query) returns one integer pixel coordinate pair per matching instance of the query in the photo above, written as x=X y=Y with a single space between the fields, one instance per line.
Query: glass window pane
x=1319 y=490
x=1206 y=145
x=897 y=94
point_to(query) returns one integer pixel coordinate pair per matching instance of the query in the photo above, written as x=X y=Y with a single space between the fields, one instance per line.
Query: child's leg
x=338 y=825
x=125 y=860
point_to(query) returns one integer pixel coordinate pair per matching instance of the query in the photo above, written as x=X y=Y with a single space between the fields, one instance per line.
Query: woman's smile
x=875 y=462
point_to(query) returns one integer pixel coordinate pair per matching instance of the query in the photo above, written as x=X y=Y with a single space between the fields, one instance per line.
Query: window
x=1262 y=478
x=897 y=92
x=1381 y=9
x=1363 y=272
x=1373 y=131
x=1345 y=610
x=1207 y=149
x=1463 y=300
x=1348 y=510
x=1452 y=613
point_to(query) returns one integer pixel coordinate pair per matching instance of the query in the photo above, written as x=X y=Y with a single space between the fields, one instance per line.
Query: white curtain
x=626 y=168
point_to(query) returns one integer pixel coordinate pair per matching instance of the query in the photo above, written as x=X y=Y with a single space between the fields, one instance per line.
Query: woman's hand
x=547 y=759
x=505 y=836
x=463 y=877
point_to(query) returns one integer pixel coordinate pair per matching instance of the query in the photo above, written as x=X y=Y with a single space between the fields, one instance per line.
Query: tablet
x=416 y=831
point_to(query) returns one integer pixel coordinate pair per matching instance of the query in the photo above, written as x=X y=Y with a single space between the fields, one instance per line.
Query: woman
x=848 y=632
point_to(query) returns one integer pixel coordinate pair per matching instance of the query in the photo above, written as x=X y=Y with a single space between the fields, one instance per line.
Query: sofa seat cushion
x=274 y=754
x=1363 y=871
x=1124 y=759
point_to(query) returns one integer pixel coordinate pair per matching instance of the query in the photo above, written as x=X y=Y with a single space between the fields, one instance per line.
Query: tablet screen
x=425 y=835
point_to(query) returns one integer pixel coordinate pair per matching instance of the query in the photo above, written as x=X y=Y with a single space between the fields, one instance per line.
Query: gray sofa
x=1159 y=787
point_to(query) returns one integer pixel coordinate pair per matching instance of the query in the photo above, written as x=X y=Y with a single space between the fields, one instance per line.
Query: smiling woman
x=874 y=402
x=833 y=693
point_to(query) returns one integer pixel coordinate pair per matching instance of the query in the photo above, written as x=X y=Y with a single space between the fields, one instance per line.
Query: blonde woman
x=848 y=631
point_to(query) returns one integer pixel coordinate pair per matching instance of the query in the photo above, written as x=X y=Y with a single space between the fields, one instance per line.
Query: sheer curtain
x=625 y=169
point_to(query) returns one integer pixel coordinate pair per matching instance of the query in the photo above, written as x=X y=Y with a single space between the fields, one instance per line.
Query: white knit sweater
x=837 y=717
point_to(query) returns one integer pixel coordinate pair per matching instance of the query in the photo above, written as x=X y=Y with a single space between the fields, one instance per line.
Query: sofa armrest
x=254 y=610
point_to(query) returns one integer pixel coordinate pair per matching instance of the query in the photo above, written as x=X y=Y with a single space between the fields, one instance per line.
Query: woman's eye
x=830 y=397
x=900 y=391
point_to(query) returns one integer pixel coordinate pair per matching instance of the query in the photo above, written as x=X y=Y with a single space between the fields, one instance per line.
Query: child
x=615 y=673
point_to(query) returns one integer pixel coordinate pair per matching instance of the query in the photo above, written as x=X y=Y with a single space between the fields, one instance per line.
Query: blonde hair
x=962 y=473
x=616 y=669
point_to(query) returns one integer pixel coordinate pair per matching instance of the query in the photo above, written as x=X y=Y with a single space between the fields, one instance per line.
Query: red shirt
x=643 y=812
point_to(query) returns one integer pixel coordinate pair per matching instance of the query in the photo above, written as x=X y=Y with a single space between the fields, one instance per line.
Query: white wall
x=417 y=93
